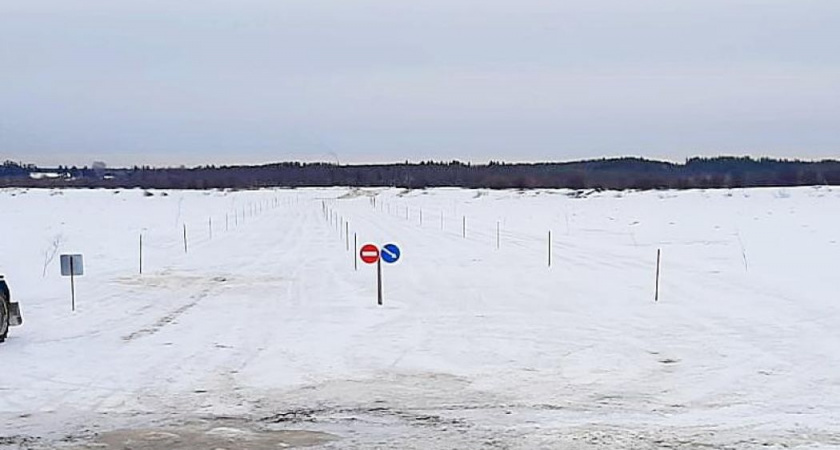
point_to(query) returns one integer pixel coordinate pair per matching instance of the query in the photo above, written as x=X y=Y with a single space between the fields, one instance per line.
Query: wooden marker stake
x=658 y=259
x=549 y=248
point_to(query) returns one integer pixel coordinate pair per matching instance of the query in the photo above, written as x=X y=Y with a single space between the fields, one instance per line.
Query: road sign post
x=72 y=265
x=371 y=254
x=379 y=281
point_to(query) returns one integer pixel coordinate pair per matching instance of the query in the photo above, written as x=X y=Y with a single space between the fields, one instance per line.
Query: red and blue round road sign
x=369 y=253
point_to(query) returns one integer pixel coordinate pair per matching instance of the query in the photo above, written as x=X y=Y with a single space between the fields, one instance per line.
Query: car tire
x=4 y=317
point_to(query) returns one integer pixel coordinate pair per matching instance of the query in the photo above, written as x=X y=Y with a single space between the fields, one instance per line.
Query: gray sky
x=249 y=81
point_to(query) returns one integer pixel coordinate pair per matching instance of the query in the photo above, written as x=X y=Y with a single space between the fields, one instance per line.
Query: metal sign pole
x=379 y=280
x=72 y=286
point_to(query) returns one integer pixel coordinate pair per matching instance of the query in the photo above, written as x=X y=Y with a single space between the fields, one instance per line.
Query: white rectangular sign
x=72 y=265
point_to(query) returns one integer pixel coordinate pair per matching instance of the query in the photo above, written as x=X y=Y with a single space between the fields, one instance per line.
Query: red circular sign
x=369 y=253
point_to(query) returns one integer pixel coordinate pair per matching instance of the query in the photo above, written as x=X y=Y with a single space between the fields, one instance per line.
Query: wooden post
x=355 y=252
x=379 y=280
x=347 y=234
x=658 y=258
x=185 y=238
x=464 y=226
x=549 y=248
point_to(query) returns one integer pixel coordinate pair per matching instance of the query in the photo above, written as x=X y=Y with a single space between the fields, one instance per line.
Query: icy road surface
x=264 y=335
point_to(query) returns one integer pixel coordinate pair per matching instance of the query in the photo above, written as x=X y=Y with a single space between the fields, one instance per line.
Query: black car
x=9 y=311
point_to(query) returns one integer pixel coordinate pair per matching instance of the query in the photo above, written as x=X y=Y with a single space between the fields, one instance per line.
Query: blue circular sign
x=390 y=253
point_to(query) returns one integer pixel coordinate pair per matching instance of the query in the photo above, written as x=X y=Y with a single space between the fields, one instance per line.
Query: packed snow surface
x=265 y=321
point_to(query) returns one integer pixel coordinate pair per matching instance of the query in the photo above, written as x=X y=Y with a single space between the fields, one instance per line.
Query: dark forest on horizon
x=614 y=173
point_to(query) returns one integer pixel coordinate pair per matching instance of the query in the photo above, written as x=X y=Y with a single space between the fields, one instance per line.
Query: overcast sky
x=249 y=81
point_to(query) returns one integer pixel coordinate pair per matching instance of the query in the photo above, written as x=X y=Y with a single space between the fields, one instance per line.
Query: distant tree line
x=616 y=173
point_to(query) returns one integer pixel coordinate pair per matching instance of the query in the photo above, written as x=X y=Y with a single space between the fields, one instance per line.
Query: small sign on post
x=71 y=266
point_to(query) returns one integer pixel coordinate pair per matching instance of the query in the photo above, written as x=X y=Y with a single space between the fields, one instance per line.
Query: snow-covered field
x=266 y=329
